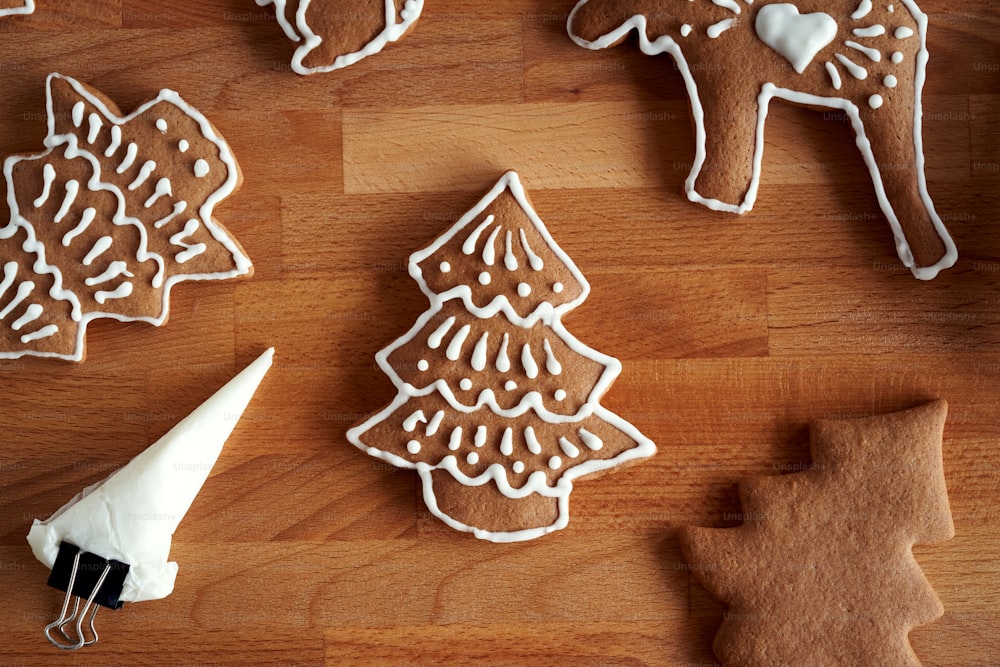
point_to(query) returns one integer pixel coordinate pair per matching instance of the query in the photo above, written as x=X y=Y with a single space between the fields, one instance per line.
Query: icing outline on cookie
x=667 y=44
x=28 y=8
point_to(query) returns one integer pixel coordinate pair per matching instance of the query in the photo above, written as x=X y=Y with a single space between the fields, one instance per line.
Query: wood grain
x=734 y=334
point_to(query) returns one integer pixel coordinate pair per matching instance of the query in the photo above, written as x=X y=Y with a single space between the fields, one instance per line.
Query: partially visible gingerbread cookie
x=867 y=59
x=821 y=571
x=498 y=407
x=110 y=217
x=333 y=34
x=11 y=7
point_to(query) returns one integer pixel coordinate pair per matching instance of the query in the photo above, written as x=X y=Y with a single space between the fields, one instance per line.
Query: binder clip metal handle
x=76 y=572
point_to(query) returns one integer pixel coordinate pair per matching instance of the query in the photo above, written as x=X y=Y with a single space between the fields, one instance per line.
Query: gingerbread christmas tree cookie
x=109 y=218
x=821 y=572
x=865 y=59
x=499 y=405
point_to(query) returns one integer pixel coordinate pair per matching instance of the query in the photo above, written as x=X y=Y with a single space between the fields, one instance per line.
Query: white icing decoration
x=665 y=44
x=116 y=141
x=528 y=362
x=72 y=190
x=465 y=384
x=490 y=249
x=510 y=385
x=145 y=172
x=454 y=351
x=472 y=458
x=410 y=423
x=191 y=250
x=485 y=278
x=545 y=314
x=728 y=4
x=48 y=177
x=507 y=442
x=509 y=260
x=857 y=71
x=27 y=8
x=534 y=261
x=890 y=81
x=590 y=440
x=179 y=208
x=392 y=31
x=122 y=291
x=423 y=365
x=32 y=313
x=523 y=290
x=555 y=463
x=873 y=54
x=163 y=189
x=130 y=154
x=445 y=267
x=797 y=37
x=557 y=288
x=116 y=269
x=183 y=145
x=903 y=32
x=47 y=331
x=469 y=246
x=161 y=125
x=717 y=29
x=86 y=218
x=95 y=125
x=518 y=467
x=831 y=69
x=686 y=29
x=9 y=274
x=78 y=110
x=434 y=424
x=434 y=340
x=201 y=168
x=863 y=10
x=871 y=31
x=23 y=290
x=569 y=449
x=875 y=101
x=559 y=394
x=479 y=353
x=99 y=248
x=552 y=364
x=898 y=57
x=413 y=447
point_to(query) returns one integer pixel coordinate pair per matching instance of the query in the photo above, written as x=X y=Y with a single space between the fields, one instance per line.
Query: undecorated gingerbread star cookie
x=821 y=571
x=498 y=407
x=105 y=222
x=864 y=58
x=332 y=34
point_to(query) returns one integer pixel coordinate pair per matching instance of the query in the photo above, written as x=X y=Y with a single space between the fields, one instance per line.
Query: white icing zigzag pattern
x=110 y=229
x=294 y=19
x=855 y=53
x=494 y=393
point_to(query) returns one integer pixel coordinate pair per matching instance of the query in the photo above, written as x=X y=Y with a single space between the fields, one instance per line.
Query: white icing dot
x=510 y=385
x=523 y=290
x=472 y=458
x=445 y=267
x=423 y=365
x=557 y=288
x=413 y=447
x=518 y=467
x=484 y=278
x=686 y=30
x=890 y=81
x=903 y=32
x=183 y=145
x=897 y=57
x=560 y=394
x=161 y=125
x=201 y=169
x=875 y=101
x=555 y=463
x=465 y=384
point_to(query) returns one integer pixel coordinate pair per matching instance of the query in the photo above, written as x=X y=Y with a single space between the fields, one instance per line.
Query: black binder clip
x=88 y=578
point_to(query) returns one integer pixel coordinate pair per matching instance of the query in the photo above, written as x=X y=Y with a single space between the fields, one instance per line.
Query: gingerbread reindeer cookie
x=865 y=58
x=332 y=34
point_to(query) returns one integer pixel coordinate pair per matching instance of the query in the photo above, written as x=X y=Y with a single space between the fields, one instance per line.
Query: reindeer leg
x=890 y=140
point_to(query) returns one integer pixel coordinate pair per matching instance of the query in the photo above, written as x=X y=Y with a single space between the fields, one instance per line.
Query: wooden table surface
x=734 y=333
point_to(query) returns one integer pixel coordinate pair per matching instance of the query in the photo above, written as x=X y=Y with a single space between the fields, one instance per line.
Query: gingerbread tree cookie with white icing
x=865 y=58
x=499 y=406
x=332 y=34
x=107 y=220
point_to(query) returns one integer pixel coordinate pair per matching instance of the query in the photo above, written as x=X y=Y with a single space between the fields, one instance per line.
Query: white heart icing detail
x=798 y=37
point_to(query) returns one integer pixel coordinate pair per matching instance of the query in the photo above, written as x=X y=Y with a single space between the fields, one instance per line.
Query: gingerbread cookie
x=499 y=406
x=866 y=59
x=107 y=220
x=821 y=572
x=11 y=7
x=332 y=36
